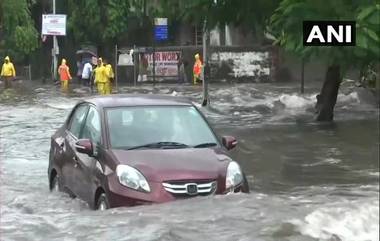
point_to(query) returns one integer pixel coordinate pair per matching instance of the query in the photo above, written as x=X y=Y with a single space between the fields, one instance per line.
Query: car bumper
x=119 y=195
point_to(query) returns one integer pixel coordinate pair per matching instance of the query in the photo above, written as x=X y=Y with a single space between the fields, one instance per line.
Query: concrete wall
x=248 y=64
x=238 y=36
x=185 y=35
x=315 y=69
x=228 y=35
x=229 y=63
x=240 y=63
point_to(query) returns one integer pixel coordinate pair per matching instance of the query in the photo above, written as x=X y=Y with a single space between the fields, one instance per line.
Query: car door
x=85 y=164
x=73 y=131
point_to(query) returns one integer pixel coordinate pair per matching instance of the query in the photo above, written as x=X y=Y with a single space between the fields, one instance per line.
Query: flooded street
x=308 y=181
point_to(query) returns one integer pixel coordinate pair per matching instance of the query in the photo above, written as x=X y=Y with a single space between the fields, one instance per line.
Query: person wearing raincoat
x=100 y=77
x=8 y=72
x=110 y=76
x=197 y=69
x=64 y=75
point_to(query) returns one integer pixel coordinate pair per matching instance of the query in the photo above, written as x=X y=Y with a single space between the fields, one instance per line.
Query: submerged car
x=130 y=150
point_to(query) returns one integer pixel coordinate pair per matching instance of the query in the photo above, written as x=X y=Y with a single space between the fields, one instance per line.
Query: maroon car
x=139 y=149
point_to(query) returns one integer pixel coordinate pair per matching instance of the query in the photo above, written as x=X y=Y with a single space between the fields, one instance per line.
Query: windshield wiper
x=162 y=144
x=207 y=144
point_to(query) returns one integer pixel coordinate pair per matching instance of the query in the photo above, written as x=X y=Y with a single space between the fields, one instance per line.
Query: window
x=77 y=120
x=133 y=126
x=91 y=129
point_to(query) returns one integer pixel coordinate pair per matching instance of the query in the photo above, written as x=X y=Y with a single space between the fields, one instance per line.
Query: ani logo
x=329 y=33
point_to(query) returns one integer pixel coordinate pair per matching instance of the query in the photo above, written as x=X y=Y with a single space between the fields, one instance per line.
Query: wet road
x=309 y=181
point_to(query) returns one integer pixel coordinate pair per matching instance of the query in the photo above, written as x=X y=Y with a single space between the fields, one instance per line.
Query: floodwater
x=308 y=181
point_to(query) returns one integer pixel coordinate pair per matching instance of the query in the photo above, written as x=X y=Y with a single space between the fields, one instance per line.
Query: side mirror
x=229 y=142
x=84 y=146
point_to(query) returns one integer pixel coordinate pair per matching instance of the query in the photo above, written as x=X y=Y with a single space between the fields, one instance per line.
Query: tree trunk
x=326 y=100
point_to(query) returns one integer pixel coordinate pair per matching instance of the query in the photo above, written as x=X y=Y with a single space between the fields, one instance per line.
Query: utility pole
x=55 y=50
x=116 y=78
x=206 y=66
x=303 y=76
x=154 y=62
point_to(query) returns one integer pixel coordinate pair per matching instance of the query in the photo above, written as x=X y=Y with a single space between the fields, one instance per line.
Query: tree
x=286 y=25
x=97 y=21
x=252 y=14
x=16 y=25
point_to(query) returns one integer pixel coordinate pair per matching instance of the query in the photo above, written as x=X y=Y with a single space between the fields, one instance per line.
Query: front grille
x=190 y=188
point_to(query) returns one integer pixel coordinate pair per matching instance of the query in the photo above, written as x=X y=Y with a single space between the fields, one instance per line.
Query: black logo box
x=308 y=25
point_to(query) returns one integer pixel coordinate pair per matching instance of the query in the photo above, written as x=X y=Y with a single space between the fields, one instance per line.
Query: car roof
x=138 y=100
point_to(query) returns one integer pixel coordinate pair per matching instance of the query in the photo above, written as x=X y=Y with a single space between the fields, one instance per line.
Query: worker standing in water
x=110 y=76
x=197 y=69
x=100 y=77
x=64 y=75
x=86 y=73
x=8 y=72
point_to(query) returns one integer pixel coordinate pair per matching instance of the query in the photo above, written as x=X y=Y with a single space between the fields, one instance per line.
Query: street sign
x=54 y=24
x=160 y=29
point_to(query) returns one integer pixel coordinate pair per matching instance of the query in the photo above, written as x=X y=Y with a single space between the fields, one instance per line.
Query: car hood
x=176 y=164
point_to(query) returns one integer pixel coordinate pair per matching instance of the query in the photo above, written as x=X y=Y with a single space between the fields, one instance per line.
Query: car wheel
x=55 y=184
x=102 y=203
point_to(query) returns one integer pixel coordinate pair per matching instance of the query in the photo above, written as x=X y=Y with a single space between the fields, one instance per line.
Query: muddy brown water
x=308 y=181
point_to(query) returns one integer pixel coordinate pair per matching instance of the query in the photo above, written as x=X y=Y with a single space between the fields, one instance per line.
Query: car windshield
x=152 y=126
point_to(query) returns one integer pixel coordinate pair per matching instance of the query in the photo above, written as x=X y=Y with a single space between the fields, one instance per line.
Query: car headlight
x=234 y=175
x=132 y=178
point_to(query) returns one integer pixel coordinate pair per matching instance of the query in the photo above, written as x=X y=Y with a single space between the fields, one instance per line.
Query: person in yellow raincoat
x=8 y=72
x=64 y=75
x=110 y=76
x=100 y=77
x=197 y=69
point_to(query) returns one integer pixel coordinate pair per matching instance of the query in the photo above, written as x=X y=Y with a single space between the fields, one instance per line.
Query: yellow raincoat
x=8 y=70
x=110 y=75
x=100 y=77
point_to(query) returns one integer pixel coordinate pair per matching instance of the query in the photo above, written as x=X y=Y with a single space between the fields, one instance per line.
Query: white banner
x=54 y=24
x=166 y=63
x=160 y=21
x=125 y=60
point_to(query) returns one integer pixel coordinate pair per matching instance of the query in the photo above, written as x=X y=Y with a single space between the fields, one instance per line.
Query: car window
x=77 y=120
x=91 y=129
x=133 y=126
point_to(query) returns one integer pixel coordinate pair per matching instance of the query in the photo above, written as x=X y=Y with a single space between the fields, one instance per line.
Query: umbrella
x=81 y=52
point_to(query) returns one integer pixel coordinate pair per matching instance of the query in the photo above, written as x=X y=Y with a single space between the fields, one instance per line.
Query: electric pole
x=55 y=50
x=205 y=100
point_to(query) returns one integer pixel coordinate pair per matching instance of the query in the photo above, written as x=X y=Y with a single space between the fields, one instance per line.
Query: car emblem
x=192 y=189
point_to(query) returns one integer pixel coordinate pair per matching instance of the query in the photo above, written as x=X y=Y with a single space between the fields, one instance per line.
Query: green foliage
x=192 y=12
x=286 y=25
x=97 y=21
x=243 y=12
x=20 y=35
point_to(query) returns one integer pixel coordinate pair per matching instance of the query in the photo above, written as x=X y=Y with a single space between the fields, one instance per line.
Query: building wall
x=252 y=64
x=185 y=35
x=227 y=35
x=315 y=69
x=230 y=35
